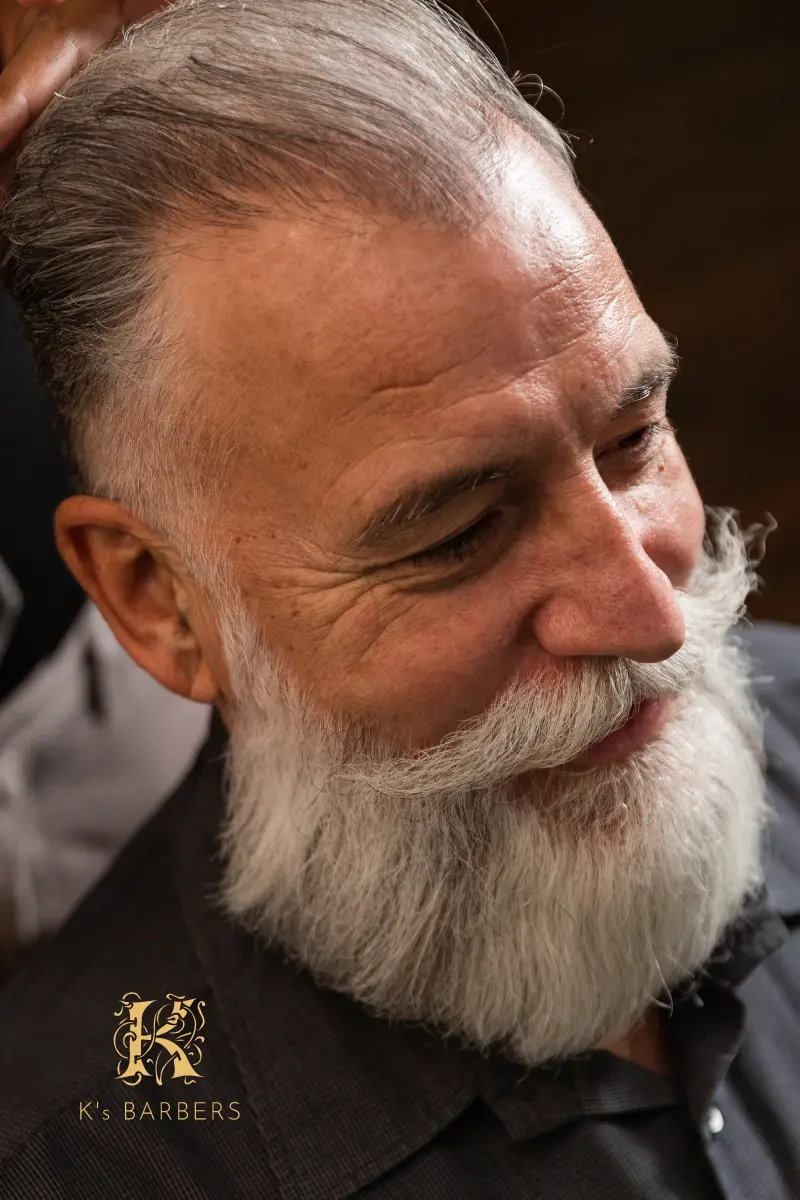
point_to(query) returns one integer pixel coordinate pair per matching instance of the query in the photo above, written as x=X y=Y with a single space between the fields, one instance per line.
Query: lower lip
x=642 y=727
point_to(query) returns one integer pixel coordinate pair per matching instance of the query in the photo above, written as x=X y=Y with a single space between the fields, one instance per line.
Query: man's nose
x=608 y=595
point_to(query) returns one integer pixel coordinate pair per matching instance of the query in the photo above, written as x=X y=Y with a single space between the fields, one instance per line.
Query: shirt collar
x=763 y=925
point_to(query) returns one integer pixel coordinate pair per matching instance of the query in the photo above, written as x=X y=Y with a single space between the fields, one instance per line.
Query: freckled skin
x=354 y=359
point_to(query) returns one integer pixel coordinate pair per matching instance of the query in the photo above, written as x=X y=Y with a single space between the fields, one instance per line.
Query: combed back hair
x=219 y=114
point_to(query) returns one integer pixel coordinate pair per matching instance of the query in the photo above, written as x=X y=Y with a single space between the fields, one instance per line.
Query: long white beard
x=424 y=885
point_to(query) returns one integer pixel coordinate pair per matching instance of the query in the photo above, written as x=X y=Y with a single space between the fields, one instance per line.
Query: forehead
x=325 y=345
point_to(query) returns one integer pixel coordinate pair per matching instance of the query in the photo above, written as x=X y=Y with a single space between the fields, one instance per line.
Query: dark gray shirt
x=302 y=1095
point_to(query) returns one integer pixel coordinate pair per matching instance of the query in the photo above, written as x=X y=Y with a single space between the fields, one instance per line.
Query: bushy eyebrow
x=419 y=500
x=653 y=379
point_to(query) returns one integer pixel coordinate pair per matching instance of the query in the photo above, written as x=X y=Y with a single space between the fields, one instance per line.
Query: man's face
x=354 y=365
x=492 y=885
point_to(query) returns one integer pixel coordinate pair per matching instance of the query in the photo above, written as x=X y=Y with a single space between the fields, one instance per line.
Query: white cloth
x=90 y=745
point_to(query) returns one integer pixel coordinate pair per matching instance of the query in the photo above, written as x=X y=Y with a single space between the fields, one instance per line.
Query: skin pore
x=351 y=364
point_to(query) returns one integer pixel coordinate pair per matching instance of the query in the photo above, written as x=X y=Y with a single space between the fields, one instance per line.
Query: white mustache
x=540 y=724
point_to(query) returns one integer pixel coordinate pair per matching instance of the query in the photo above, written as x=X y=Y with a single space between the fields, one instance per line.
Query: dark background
x=688 y=140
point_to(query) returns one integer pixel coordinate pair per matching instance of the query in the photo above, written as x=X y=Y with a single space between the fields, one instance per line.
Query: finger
x=30 y=81
x=137 y=10
x=42 y=64
x=39 y=3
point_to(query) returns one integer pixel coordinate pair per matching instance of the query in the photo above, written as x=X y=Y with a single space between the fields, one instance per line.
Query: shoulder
x=60 y=1011
x=775 y=648
x=775 y=651
x=78 y=1114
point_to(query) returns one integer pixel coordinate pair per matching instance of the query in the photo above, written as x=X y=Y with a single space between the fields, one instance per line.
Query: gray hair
x=222 y=112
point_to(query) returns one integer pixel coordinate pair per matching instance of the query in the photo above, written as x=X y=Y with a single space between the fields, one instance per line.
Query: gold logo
x=172 y=1039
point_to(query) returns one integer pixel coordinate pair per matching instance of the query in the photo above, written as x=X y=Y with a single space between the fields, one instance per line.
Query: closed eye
x=464 y=545
x=637 y=445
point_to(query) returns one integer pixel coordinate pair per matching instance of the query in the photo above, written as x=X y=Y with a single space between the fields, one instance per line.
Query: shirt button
x=715 y=1122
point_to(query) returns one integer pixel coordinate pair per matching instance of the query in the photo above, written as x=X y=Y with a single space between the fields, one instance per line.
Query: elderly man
x=474 y=891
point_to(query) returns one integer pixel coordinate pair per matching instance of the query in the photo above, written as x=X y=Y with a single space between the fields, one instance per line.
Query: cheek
x=674 y=521
x=420 y=670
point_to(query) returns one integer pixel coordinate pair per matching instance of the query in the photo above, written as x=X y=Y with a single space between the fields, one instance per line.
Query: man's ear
x=142 y=588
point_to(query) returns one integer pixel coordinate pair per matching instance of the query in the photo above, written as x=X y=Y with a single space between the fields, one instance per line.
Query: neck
x=646 y=1045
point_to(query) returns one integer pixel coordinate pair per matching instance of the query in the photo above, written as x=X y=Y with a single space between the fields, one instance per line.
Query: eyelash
x=470 y=541
x=461 y=547
x=645 y=438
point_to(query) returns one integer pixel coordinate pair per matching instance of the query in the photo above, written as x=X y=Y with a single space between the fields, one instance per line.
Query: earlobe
x=139 y=584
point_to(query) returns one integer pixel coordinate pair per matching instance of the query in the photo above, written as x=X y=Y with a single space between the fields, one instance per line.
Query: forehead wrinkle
x=355 y=365
x=376 y=341
x=491 y=348
x=506 y=360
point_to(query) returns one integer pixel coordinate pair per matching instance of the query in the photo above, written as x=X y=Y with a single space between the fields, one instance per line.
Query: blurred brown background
x=686 y=117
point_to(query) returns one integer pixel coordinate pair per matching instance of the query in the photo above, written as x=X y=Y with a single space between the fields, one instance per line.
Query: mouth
x=642 y=727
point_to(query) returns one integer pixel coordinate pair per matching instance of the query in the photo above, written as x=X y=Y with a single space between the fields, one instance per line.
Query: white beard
x=425 y=886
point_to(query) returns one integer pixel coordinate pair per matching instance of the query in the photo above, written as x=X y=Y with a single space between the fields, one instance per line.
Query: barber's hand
x=43 y=43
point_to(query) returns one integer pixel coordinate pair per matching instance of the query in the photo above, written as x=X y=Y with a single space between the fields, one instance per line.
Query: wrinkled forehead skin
x=338 y=358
